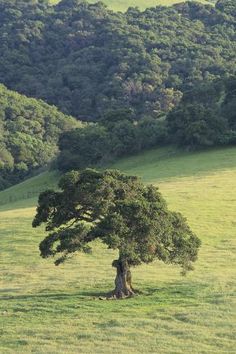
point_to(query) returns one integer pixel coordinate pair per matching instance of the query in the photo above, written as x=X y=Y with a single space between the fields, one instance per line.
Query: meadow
x=48 y=309
x=122 y=5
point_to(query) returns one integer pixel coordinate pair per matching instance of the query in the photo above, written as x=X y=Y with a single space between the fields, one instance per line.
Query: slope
x=47 y=309
x=122 y=5
x=88 y=60
x=29 y=131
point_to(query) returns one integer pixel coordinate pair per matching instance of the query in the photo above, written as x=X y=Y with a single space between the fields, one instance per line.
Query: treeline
x=206 y=116
x=88 y=60
x=117 y=135
x=32 y=132
x=29 y=131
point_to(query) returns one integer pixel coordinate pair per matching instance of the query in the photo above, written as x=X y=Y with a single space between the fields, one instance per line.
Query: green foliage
x=29 y=130
x=88 y=60
x=119 y=210
x=98 y=144
x=228 y=6
x=83 y=147
x=206 y=115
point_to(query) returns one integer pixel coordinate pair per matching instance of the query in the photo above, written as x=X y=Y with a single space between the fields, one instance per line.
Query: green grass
x=28 y=189
x=45 y=309
x=122 y=5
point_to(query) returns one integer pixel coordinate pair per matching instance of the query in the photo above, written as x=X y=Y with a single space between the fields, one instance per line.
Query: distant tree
x=120 y=211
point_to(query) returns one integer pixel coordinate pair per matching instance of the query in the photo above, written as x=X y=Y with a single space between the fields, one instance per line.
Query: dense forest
x=88 y=60
x=205 y=117
x=29 y=132
x=141 y=79
x=117 y=135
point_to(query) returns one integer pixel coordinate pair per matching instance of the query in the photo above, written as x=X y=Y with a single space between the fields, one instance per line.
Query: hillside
x=122 y=5
x=28 y=190
x=88 y=60
x=56 y=309
x=206 y=115
x=29 y=131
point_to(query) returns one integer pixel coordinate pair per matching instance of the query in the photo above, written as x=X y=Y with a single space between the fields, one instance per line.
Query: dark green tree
x=205 y=116
x=123 y=213
x=83 y=147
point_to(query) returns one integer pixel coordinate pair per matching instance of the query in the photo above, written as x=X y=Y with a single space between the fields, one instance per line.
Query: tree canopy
x=29 y=131
x=86 y=59
x=119 y=134
x=206 y=116
x=123 y=213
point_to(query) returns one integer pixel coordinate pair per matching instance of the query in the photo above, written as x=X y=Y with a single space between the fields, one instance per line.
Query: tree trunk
x=123 y=286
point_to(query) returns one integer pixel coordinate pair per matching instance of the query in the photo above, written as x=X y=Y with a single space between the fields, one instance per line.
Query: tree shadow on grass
x=55 y=296
x=167 y=293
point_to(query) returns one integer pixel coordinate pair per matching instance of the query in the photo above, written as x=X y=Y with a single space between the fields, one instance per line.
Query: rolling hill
x=122 y=5
x=29 y=131
x=49 y=310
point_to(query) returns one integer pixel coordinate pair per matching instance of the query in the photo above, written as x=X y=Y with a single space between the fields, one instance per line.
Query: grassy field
x=44 y=309
x=122 y=5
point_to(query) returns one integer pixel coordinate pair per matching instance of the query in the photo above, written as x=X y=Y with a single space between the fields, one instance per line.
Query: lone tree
x=121 y=211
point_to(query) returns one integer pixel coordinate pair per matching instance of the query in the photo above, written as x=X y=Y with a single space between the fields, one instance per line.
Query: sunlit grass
x=122 y=5
x=45 y=309
x=28 y=189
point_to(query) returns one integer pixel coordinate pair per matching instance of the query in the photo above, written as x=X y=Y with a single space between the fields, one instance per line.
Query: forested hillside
x=87 y=60
x=205 y=117
x=144 y=79
x=29 y=132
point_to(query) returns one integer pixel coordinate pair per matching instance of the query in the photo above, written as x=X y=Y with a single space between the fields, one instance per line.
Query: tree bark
x=123 y=283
